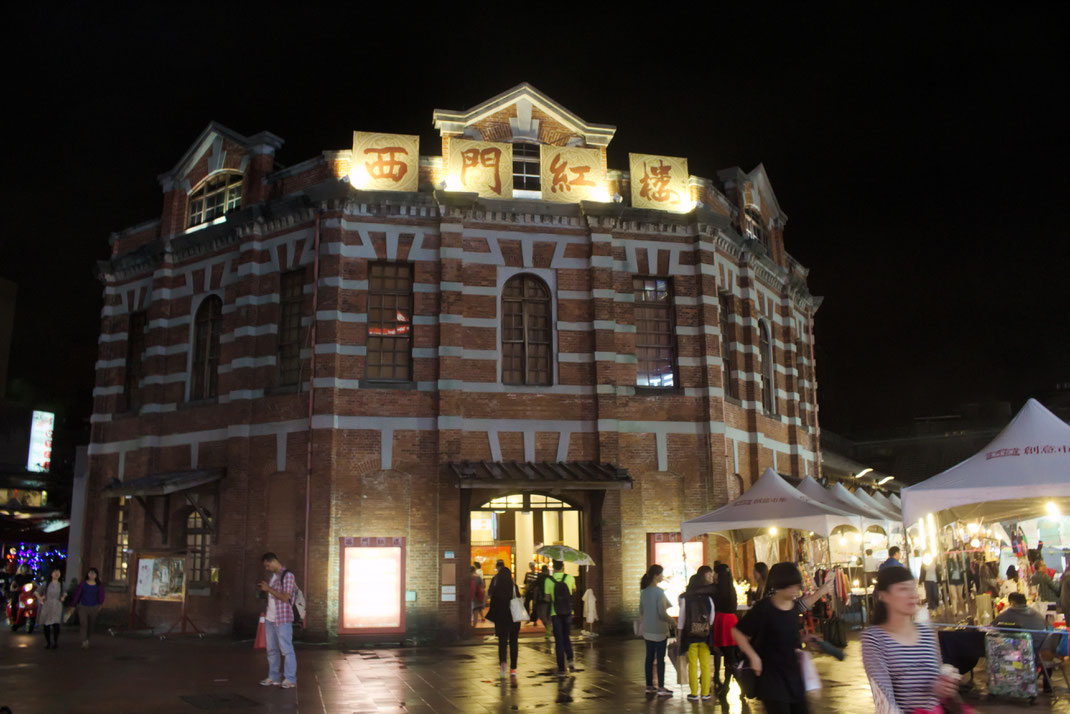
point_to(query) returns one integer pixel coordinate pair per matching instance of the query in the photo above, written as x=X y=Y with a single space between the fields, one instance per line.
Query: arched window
x=752 y=224
x=526 y=331
x=727 y=356
x=765 y=355
x=206 y=330
x=216 y=195
x=197 y=544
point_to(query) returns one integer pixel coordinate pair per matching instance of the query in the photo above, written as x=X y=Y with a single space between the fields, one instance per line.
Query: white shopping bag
x=809 y=671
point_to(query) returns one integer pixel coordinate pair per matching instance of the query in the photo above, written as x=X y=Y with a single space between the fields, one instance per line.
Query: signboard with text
x=660 y=182
x=39 y=457
x=482 y=167
x=570 y=174
x=373 y=586
x=385 y=162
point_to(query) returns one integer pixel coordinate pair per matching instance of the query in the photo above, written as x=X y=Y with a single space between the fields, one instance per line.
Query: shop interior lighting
x=1053 y=509
x=772 y=530
x=975 y=543
x=973 y=527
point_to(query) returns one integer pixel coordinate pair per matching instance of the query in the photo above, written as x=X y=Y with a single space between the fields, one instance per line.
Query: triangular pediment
x=523 y=112
x=213 y=142
x=759 y=180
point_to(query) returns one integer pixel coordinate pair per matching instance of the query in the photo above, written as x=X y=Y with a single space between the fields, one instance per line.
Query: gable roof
x=212 y=133
x=525 y=96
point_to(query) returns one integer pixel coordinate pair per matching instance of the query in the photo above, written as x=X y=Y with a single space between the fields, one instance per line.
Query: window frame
x=411 y=296
x=765 y=355
x=753 y=225
x=670 y=309
x=800 y=388
x=204 y=362
x=228 y=188
x=523 y=181
x=291 y=307
x=729 y=384
x=137 y=324
x=526 y=304
x=120 y=542
x=200 y=550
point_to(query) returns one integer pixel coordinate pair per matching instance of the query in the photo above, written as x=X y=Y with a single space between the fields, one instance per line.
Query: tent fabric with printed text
x=771 y=501
x=1015 y=476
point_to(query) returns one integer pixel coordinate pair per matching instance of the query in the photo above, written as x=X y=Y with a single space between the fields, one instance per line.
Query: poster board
x=372 y=600
x=161 y=577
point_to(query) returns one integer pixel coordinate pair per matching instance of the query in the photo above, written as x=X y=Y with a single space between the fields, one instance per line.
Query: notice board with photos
x=373 y=586
x=161 y=577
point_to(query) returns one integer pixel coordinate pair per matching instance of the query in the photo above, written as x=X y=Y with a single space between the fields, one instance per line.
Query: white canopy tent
x=1024 y=467
x=771 y=501
x=886 y=504
x=895 y=501
x=816 y=491
x=844 y=496
x=891 y=514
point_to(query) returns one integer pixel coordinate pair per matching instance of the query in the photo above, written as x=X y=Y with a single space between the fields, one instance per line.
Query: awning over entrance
x=539 y=474
x=162 y=484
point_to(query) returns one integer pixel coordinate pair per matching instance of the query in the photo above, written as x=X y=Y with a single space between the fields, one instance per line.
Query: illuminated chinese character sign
x=385 y=162
x=373 y=582
x=481 y=167
x=40 y=454
x=660 y=182
x=570 y=174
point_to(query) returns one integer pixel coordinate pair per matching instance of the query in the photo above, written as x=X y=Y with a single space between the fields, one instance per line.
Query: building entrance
x=512 y=527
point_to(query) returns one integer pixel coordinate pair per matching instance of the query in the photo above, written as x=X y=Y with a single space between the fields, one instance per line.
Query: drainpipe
x=311 y=390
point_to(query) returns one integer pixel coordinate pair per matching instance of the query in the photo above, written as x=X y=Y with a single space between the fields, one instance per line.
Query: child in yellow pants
x=698 y=655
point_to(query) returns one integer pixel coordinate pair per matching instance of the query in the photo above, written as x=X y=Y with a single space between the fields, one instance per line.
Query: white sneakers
x=269 y=682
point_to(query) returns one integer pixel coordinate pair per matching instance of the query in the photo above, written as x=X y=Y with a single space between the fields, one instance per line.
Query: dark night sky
x=917 y=157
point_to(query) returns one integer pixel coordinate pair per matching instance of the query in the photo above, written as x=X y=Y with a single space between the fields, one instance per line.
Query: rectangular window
x=526 y=167
x=727 y=353
x=527 y=333
x=121 y=553
x=135 y=348
x=389 y=322
x=654 y=344
x=291 y=298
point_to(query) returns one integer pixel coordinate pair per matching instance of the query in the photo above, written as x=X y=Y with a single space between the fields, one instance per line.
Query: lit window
x=752 y=225
x=135 y=346
x=727 y=354
x=291 y=297
x=654 y=353
x=526 y=331
x=197 y=545
x=214 y=197
x=765 y=355
x=526 y=166
x=389 y=322
x=121 y=553
x=207 y=328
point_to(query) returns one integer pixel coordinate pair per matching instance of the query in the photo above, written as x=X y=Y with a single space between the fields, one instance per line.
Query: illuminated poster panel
x=482 y=167
x=680 y=560
x=373 y=586
x=569 y=174
x=660 y=182
x=385 y=162
x=39 y=457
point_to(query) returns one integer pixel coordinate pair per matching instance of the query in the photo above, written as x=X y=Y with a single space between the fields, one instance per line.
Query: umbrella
x=565 y=553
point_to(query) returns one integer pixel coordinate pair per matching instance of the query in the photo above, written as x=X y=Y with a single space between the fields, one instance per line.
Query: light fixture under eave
x=862 y=473
x=772 y=530
x=885 y=480
x=1053 y=509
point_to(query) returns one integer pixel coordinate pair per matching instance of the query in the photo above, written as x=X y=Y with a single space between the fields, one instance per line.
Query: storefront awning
x=162 y=484
x=539 y=474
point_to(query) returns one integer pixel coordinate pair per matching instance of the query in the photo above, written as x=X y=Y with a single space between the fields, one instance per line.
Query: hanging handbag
x=516 y=607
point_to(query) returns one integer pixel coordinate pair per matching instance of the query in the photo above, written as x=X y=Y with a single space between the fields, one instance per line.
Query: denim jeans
x=280 y=640
x=655 y=651
x=562 y=643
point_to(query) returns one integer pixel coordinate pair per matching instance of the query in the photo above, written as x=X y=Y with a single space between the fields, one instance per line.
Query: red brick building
x=473 y=375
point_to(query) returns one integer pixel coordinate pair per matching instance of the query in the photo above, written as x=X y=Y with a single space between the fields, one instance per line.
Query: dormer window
x=752 y=225
x=216 y=195
x=526 y=167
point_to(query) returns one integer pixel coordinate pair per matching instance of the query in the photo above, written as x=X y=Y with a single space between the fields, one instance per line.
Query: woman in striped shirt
x=902 y=659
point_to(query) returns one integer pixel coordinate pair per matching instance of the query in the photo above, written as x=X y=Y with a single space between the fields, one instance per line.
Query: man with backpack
x=559 y=588
x=281 y=593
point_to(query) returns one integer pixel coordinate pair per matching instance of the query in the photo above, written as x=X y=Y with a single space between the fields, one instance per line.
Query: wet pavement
x=126 y=674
